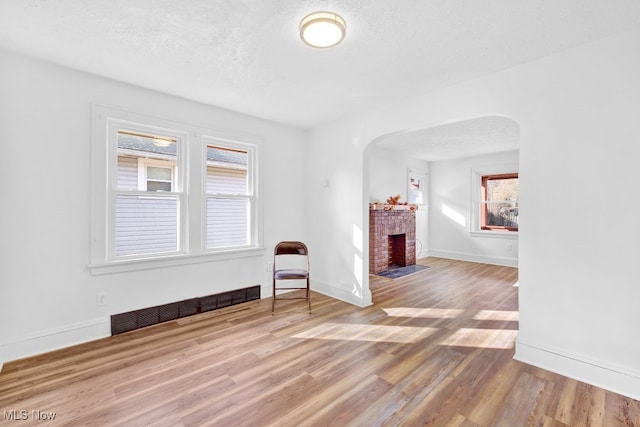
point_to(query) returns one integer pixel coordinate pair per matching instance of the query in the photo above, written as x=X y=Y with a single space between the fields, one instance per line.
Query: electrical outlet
x=101 y=299
x=509 y=247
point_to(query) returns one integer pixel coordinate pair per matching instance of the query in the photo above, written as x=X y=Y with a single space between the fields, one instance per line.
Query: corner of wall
x=364 y=300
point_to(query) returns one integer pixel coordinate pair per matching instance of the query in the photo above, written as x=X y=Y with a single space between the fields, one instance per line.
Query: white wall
x=578 y=114
x=388 y=176
x=335 y=211
x=450 y=213
x=47 y=296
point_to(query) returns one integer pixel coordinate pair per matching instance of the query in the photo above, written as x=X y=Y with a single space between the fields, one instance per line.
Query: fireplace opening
x=397 y=250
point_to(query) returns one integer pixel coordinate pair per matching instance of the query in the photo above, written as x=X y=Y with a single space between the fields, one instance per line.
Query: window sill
x=120 y=266
x=513 y=235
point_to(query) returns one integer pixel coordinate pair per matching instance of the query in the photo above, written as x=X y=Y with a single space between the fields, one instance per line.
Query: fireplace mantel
x=384 y=244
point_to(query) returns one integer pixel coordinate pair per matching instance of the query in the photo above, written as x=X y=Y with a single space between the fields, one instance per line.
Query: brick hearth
x=386 y=228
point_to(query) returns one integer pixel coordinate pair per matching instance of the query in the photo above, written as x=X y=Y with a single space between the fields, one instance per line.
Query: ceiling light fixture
x=322 y=29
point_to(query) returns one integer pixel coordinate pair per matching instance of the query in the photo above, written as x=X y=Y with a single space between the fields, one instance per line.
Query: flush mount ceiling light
x=322 y=29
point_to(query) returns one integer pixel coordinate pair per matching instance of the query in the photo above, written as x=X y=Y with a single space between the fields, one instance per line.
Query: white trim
x=341 y=294
x=119 y=266
x=616 y=379
x=461 y=256
x=53 y=339
x=513 y=235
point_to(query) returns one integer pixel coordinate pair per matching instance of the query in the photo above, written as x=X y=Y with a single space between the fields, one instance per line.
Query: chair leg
x=309 y=294
x=273 y=299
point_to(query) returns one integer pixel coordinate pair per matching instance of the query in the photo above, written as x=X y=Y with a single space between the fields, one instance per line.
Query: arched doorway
x=442 y=157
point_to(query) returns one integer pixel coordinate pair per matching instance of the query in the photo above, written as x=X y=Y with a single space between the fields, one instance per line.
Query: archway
x=391 y=161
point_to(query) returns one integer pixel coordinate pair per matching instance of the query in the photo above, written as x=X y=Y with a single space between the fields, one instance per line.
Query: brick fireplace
x=392 y=239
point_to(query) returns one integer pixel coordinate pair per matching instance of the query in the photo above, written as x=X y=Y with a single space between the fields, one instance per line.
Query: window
x=494 y=201
x=155 y=175
x=499 y=202
x=169 y=193
x=229 y=196
x=146 y=203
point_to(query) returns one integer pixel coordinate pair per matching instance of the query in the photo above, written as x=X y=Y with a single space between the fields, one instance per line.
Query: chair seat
x=291 y=274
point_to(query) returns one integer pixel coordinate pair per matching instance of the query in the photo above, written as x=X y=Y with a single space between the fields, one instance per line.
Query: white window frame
x=189 y=183
x=476 y=184
x=113 y=127
x=251 y=194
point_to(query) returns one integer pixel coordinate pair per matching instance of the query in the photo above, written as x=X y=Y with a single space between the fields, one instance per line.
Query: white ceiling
x=474 y=137
x=245 y=55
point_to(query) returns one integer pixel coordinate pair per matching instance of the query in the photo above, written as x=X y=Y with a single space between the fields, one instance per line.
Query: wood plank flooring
x=435 y=349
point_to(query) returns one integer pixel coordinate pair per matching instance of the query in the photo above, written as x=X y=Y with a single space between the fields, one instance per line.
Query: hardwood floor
x=435 y=349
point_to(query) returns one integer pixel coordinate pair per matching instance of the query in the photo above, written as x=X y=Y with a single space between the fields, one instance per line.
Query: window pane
x=158 y=186
x=145 y=225
x=502 y=189
x=132 y=147
x=227 y=222
x=502 y=215
x=127 y=173
x=159 y=174
x=227 y=171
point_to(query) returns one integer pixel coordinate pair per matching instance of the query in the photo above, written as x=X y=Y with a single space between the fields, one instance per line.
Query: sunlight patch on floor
x=358 y=332
x=497 y=315
x=438 y=313
x=482 y=338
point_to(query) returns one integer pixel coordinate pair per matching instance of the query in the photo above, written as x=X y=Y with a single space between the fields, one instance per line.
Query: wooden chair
x=290 y=249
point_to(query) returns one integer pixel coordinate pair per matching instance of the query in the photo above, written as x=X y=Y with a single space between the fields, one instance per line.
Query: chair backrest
x=290 y=248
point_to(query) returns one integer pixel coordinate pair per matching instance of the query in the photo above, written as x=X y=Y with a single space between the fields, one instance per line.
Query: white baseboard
x=617 y=380
x=484 y=259
x=363 y=300
x=53 y=339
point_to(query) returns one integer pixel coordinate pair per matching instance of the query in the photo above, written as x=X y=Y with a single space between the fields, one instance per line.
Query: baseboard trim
x=339 y=293
x=616 y=380
x=461 y=256
x=54 y=339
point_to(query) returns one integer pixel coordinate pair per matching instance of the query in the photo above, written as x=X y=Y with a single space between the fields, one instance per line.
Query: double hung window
x=146 y=202
x=495 y=201
x=170 y=193
x=229 y=196
x=499 y=202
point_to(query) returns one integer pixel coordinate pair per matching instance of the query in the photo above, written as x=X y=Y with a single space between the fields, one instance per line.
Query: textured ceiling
x=483 y=135
x=245 y=55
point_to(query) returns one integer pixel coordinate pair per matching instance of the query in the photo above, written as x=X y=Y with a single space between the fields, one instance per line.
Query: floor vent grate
x=125 y=322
